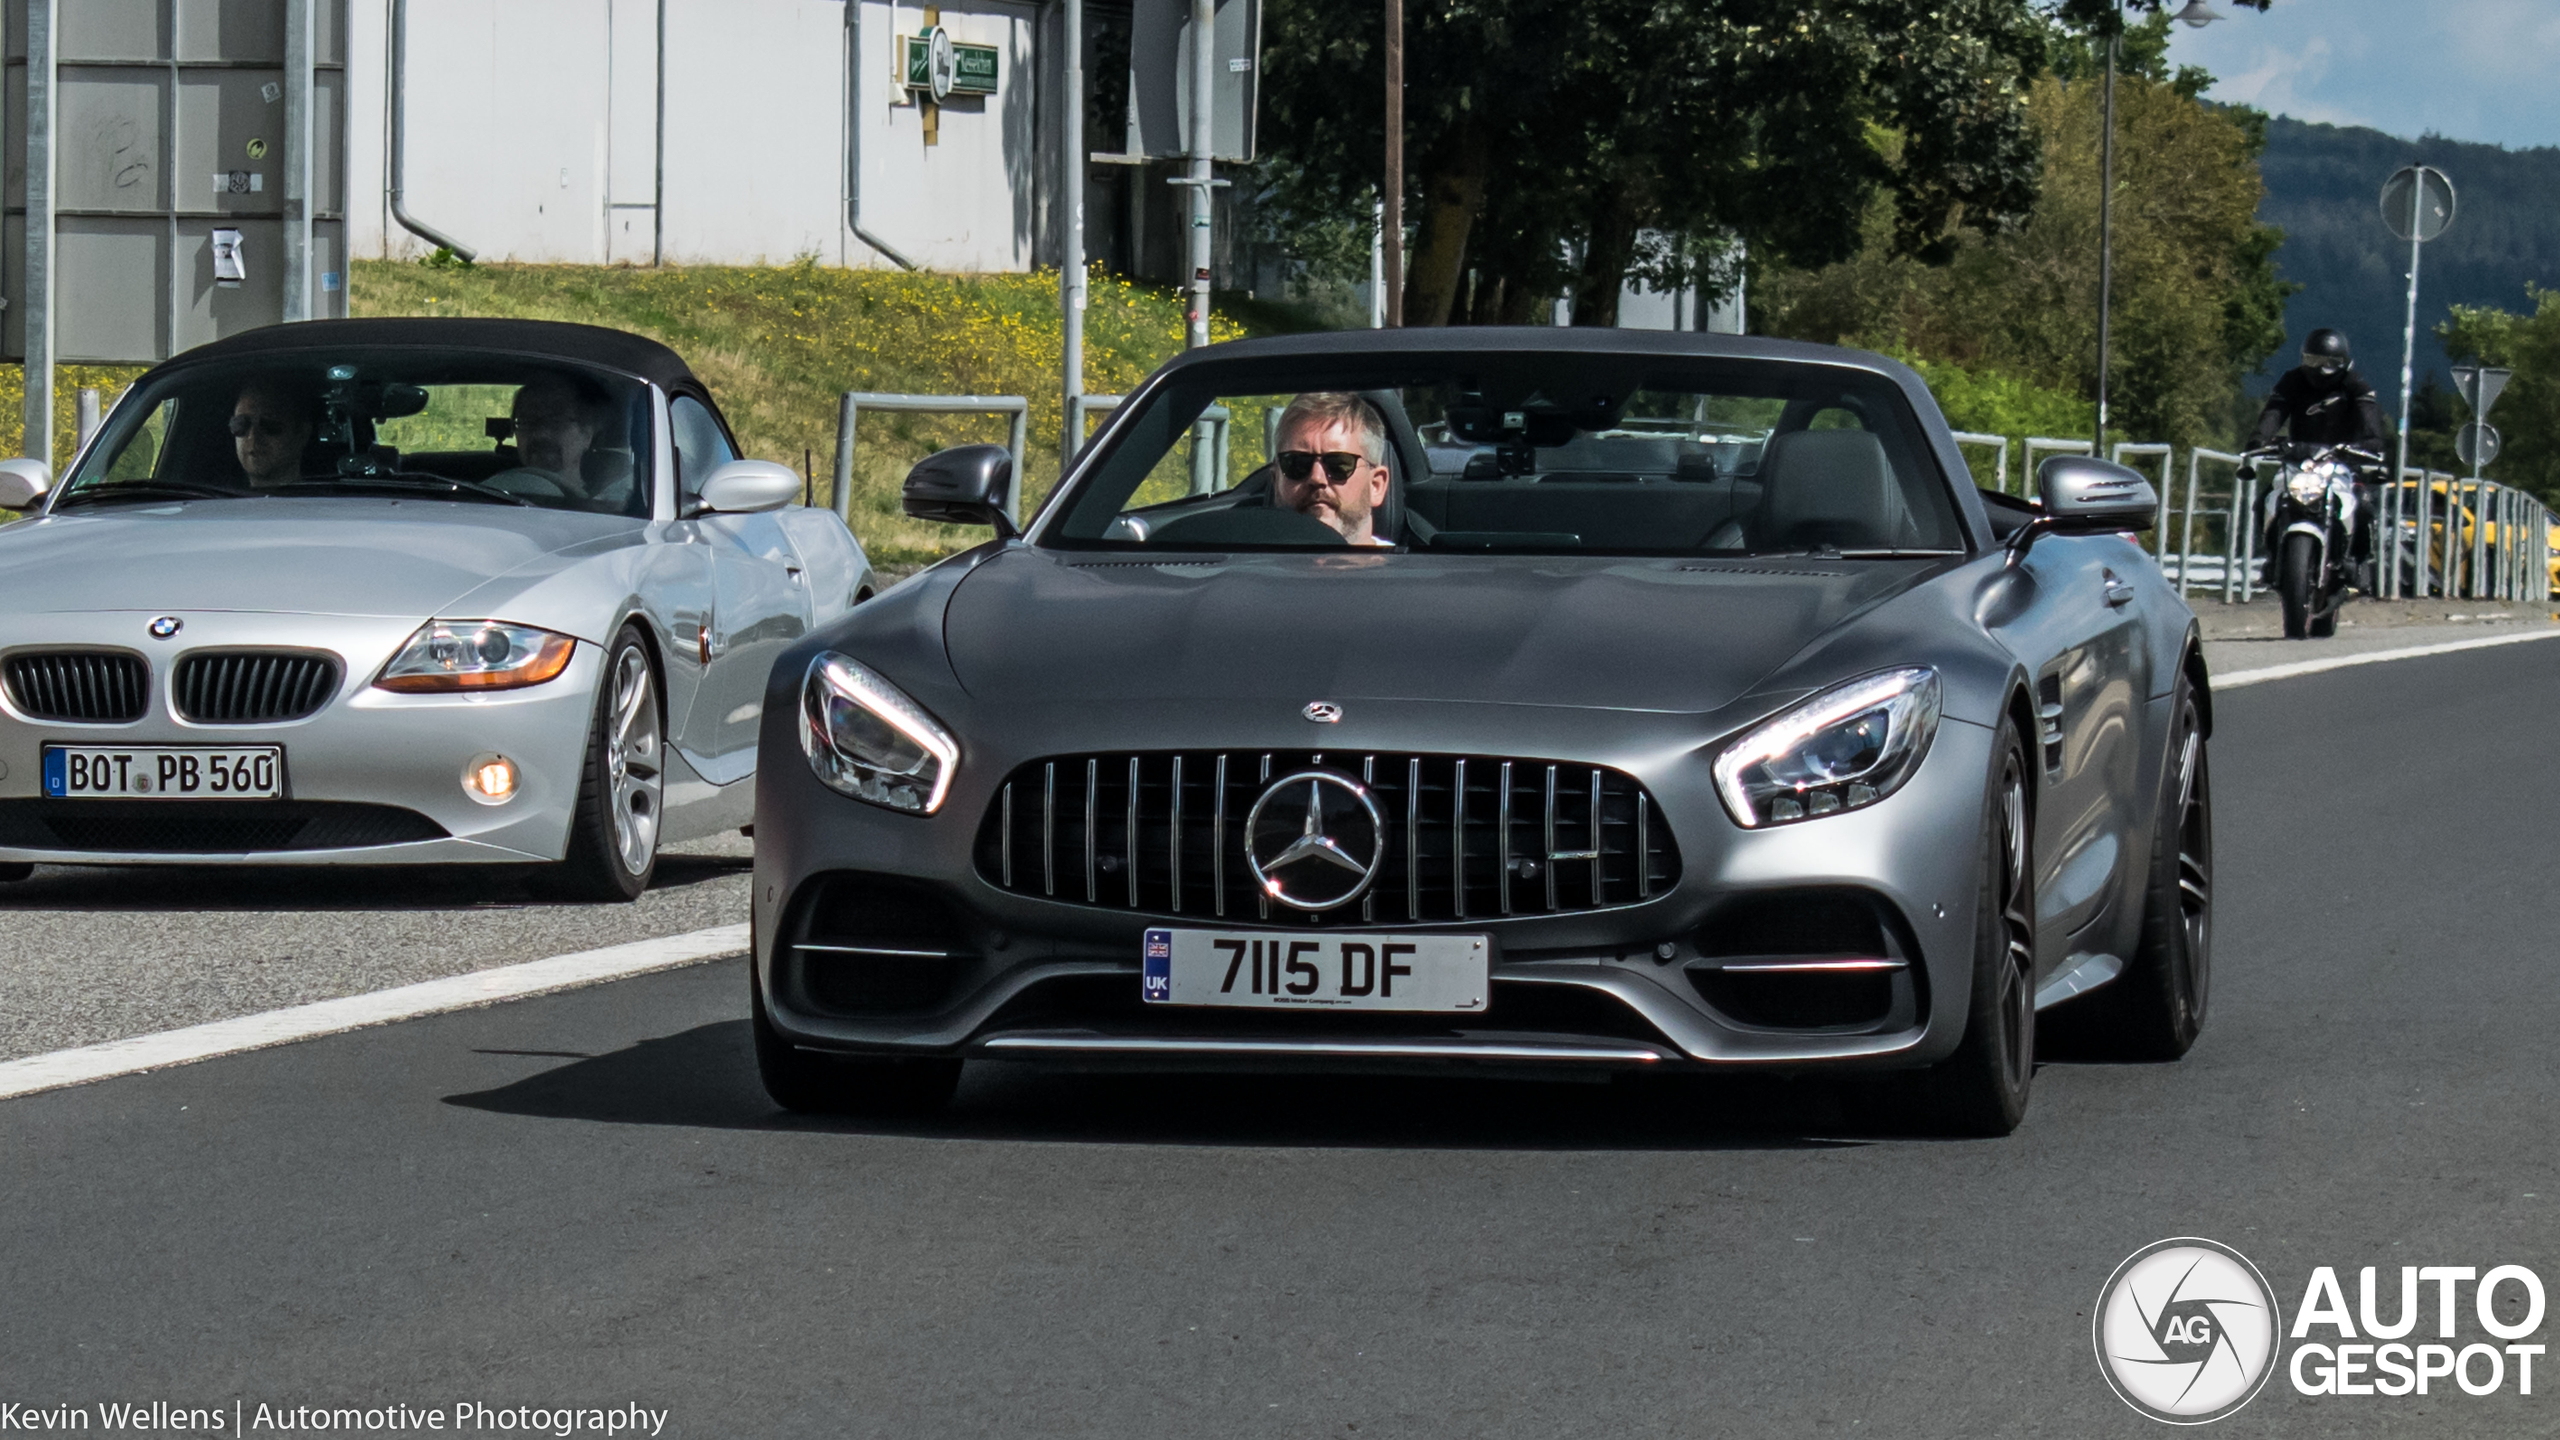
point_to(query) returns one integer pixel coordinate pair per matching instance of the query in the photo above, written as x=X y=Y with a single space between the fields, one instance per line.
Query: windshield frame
x=134 y=405
x=1160 y=409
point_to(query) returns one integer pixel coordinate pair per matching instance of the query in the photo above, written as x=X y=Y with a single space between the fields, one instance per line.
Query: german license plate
x=1334 y=972
x=164 y=772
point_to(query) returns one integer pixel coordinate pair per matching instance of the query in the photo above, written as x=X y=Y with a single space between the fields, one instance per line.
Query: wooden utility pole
x=1391 y=237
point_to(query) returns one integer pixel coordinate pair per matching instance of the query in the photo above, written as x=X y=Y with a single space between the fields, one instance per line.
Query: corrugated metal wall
x=533 y=133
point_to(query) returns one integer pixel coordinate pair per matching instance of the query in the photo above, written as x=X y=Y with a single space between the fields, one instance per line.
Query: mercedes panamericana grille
x=401 y=591
x=1524 y=700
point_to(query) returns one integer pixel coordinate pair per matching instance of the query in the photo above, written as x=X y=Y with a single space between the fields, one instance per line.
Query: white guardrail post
x=2138 y=450
x=1218 y=416
x=2187 y=532
x=1999 y=462
x=850 y=408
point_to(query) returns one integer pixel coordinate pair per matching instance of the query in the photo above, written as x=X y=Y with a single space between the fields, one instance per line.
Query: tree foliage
x=2197 y=304
x=1553 y=144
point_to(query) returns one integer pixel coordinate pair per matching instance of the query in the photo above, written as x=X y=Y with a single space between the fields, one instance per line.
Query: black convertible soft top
x=621 y=350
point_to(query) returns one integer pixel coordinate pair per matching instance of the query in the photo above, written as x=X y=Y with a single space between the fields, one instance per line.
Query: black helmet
x=2326 y=350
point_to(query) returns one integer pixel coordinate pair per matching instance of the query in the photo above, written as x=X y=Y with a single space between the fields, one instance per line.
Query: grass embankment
x=777 y=345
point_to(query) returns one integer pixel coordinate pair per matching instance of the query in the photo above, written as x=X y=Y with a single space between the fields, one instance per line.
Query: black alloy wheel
x=1982 y=1089
x=2157 y=1008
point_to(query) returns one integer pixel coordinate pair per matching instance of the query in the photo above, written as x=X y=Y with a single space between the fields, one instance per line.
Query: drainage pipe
x=853 y=137
x=399 y=136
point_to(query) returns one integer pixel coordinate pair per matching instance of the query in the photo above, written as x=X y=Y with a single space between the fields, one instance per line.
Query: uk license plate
x=164 y=772
x=1260 y=969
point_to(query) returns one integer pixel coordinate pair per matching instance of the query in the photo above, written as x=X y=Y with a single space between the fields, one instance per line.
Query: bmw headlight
x=1845 y=748
x=449 y=656
x=866 y=739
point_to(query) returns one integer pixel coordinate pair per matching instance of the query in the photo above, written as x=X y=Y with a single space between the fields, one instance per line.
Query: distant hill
x=2324 y=185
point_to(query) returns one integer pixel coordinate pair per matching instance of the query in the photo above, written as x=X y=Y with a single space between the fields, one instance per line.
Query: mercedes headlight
x=1845 y=748
x=446 y=657
x=866 y=739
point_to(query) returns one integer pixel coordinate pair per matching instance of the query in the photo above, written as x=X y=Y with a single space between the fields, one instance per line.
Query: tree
x=2197 y=302
x=1548 y=141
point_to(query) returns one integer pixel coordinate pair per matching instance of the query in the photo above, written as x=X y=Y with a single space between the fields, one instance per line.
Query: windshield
x=455 y=425
x=1542 y=454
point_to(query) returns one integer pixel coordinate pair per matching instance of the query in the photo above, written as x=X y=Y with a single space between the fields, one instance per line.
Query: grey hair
x=1327 y=406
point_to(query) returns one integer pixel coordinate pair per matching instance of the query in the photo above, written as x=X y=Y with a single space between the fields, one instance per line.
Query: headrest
x=1831 y=487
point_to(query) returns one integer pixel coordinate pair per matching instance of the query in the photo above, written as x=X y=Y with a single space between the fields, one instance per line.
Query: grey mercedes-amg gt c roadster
x=1523 y=700
x=401 y=591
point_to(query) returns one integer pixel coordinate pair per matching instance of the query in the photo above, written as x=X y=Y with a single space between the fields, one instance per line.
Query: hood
x=319 y=557
x=1680 y=635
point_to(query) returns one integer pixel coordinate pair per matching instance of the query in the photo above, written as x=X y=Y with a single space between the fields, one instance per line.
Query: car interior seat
x=1830 y=487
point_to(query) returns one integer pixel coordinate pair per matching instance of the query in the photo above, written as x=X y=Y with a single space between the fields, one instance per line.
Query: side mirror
x=2084 y=495
x=24 y=483
x=964 y=485
x=745 y=487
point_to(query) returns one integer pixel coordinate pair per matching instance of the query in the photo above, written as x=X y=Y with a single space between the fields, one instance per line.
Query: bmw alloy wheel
x=633 y=769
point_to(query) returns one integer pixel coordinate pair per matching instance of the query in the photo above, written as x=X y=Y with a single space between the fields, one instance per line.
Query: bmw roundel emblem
x=166 y=626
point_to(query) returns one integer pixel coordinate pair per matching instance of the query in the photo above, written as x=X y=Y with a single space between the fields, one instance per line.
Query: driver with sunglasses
x=270 y=426
x=1332 y=463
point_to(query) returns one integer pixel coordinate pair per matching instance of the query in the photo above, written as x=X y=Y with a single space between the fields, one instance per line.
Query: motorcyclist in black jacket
x=2325 y=402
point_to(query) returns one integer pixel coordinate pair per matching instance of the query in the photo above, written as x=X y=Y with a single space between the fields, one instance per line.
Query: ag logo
x=2186 y=1331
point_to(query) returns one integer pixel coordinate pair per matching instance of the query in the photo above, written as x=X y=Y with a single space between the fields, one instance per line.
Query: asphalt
x=586 y=1199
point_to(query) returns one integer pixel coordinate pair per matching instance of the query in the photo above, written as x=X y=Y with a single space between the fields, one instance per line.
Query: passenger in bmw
x=271 y=425
x=559 y=424
x=1332 y=463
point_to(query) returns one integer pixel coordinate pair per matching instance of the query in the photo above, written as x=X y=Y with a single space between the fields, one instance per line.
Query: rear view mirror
x=964 y=485
x=2085 y=495
x=24 y=483
x=746 y=487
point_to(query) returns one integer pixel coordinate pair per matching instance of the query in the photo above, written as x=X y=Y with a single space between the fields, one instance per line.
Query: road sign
x=2434 y=199
x=2480 y=386
x=2476 y=443
x=943 y=67
x=1160 y=79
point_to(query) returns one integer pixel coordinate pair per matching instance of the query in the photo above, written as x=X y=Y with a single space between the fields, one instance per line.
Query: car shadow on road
x=706 y=1077
x=369 y=887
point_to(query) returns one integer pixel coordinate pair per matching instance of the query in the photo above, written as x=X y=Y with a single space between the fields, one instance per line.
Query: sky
x=2465 y=69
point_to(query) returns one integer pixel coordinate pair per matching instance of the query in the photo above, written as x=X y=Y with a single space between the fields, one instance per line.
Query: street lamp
x=2197 y=15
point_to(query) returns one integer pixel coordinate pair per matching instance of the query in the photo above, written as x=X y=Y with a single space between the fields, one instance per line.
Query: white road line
x=355 y=1012
x=2239 y=678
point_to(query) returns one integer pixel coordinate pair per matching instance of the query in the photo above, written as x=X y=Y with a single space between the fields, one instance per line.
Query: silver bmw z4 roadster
x=1526 y=700
x=401 y=591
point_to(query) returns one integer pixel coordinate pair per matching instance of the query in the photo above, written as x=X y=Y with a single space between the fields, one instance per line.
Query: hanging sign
x=942 y=67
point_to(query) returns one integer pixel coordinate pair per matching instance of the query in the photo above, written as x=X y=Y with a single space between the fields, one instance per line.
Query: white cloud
x=2470 y=69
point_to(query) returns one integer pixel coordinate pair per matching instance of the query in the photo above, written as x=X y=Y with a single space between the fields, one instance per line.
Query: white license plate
x=1260 y=968
x=164 y=772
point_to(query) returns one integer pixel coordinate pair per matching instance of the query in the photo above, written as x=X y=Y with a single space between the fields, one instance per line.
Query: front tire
x=2157 y=1011
x=2297 y=583
x=1982 y=1089
x=613 y=834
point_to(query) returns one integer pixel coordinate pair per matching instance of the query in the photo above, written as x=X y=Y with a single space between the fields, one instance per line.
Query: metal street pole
x=1391 y=227
x=1204 y=52
x=2106 y=224
x=1071 y=164
x=2408 y=365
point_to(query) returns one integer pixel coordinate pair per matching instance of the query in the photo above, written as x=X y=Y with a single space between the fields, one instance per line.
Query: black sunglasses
x=1339 y=465
x=266 y=425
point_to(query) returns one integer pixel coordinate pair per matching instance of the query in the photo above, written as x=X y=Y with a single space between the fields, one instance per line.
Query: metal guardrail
x=1217 y=419
x=850 y=408
x=1999 y=463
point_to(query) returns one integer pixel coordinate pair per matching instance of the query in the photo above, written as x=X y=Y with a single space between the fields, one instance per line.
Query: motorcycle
x=2312 y=512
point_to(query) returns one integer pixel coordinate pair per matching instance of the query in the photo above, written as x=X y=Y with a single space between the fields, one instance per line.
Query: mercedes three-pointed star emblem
x=1327 y=853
